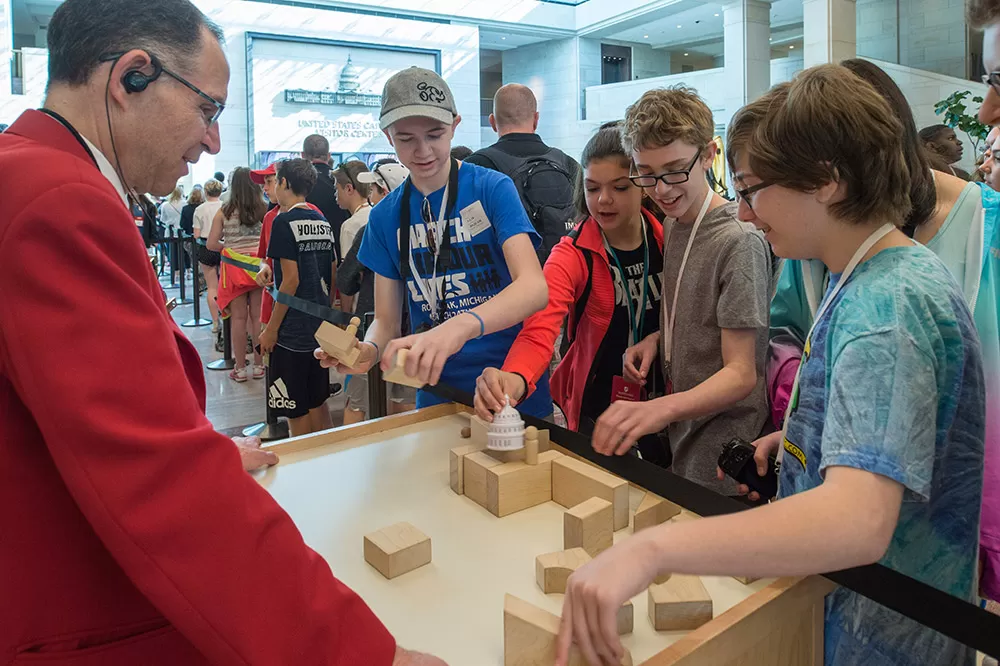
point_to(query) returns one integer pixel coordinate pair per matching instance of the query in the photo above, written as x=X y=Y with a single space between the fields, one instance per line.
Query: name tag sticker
x=474 y=218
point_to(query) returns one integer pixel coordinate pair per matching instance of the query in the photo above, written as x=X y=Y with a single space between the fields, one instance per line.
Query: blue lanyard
x=636 y=320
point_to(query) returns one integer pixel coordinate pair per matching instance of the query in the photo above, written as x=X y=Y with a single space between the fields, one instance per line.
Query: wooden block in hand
x=589 y=525
x=515 y=486
x=456 y=466
x=530 y=633
x=397 y=549
x=652 y=511
x=682 y=603
x=340 y=343
x=626 y=619
x=475 y=467
x=397 y=373
x=574 y=481
x=553 y=569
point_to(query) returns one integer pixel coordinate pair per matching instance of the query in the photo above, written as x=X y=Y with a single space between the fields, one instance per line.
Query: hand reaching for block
x=339 y=348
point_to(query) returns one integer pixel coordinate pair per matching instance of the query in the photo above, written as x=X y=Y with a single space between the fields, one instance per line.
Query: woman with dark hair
x=947 y=217
x=945 y=148
x=236 y=234
x=605 y=280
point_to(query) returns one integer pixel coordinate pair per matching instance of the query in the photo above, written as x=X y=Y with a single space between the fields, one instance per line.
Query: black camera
x=736 y=460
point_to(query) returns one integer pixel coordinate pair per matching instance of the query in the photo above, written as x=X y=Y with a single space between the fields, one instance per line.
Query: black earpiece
x=136 y=81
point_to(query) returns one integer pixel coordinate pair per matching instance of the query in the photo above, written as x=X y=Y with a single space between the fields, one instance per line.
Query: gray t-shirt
x=727 y=283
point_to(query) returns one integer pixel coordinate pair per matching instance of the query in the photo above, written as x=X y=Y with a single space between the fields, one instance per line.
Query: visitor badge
x=474 y=218
x=622 y=389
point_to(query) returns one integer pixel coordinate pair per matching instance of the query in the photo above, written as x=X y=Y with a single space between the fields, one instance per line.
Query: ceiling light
x=678 y=25
x=503 y=38
x=685 y=54
x=716 y=15
x=645 y=36
x=792 y=47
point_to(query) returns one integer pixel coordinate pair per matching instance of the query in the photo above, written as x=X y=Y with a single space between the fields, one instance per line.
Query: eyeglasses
x=993 y=81
x=210 y=118
x=745 y=193
x=669 y=177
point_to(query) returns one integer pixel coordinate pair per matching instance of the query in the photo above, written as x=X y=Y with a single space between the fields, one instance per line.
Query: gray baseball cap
x=417 y=92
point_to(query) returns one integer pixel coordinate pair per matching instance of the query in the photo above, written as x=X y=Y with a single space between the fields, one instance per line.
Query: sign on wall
x=332 y=89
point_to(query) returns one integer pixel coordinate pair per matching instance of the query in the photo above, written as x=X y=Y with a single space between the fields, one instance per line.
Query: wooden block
x=515 y=486
x=574 y=481
x=746 y=580
x=476 y=465
x=661 y=579
x=456 y=466
x=589 y=525
x=340 y=343
x=397 y=375
x=682 y=603
x=513 y=455
x=653 y=510
x=626 y=619
x=544 y=444
x=529 y=636
x=553 y=569
x=396 y=549
x=531 y=445
x=478 y=429
x=466 y=432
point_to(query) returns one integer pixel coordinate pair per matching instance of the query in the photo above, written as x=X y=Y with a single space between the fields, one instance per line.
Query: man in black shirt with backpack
x=545 y=177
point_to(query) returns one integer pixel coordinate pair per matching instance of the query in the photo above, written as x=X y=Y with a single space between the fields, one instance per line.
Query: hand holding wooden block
x=680 y=603
x=589 y=525
x=397 y=549
x=397 y=373
x=340 y=343
x=529 y=636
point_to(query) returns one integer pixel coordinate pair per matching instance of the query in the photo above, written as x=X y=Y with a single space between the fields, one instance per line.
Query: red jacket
x=566 y=274
x=132 y=534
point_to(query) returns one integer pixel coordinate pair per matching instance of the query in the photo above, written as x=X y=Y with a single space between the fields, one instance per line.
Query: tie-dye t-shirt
x=892 y=383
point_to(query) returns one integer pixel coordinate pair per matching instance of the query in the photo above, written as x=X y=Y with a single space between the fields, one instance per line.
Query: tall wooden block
x=515 y=486
x=529 y=636
x=478 y=428
x=626 y=619
x=396 y=549
x=682 y=603
x=475 y=468
x=396 y=374
x=574 y=481
x=552 y=570
x=589 y=525
x=544 y=444
x=456 y=466
x=653 y=510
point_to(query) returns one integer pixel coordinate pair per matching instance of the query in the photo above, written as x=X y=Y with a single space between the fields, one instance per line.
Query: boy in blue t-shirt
x=301 y=246
x=466 y=265
x=883 y=451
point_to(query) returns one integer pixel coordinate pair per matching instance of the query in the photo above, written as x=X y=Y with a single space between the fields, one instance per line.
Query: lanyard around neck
x=859 y=254
x=636 y=318
x=668 y=330
x=431 y=290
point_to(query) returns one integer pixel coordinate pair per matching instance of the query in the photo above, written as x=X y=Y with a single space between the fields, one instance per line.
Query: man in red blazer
x=131 y=533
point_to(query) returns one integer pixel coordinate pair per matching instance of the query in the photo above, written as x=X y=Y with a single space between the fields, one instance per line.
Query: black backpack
x=545 y=183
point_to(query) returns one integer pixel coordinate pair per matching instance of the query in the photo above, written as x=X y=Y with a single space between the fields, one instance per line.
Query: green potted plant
x=957 y=117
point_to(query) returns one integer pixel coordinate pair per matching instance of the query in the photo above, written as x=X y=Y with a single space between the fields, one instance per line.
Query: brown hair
x=923 y=194
x=829 y=125
x=299 y=175
x=213 y=188
x=665 y=115
x=606 y=144
x=982 y=13
x=197 y=197
x=347 y=174
x=245 y=199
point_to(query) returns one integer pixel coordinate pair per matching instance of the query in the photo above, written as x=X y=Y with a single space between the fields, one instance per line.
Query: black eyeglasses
x=210 y=118
x=993 y=81
x=745 y=193
x=668 y=177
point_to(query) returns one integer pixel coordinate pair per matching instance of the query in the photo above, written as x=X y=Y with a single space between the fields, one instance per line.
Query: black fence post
x=227 y=362
x=272 y=428
x=198 y=320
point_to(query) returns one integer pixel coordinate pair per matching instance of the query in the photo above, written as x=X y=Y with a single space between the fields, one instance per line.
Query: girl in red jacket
x=605 y=278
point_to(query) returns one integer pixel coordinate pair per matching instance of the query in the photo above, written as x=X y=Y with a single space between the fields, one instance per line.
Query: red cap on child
x=259 y=175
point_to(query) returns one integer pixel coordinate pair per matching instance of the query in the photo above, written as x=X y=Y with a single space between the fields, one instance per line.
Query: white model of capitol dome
x=506 y=433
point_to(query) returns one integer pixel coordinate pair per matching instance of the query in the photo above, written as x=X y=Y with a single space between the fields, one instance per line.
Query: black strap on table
x=322 y=312
x=931 y=607
x=444 y=256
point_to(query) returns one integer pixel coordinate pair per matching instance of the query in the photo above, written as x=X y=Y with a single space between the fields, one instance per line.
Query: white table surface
x=452 y=607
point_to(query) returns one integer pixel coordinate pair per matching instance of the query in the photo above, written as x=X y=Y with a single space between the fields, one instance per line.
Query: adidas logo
x=277 y=396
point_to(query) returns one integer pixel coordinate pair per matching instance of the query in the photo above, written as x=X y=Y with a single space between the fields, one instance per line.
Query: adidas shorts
x=298 y=383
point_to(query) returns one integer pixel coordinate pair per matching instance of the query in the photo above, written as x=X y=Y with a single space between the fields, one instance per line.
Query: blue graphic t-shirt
x=477 y=273
x=892 y=383
x=303 y=236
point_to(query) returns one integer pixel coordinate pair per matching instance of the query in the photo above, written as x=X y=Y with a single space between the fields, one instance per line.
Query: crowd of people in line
x=841 y=313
